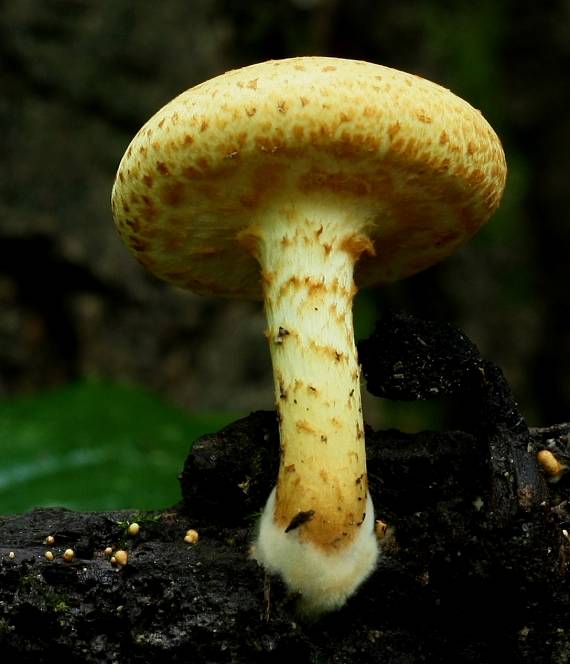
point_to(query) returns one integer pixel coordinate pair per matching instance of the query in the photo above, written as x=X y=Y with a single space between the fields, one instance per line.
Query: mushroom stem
x=320 y=512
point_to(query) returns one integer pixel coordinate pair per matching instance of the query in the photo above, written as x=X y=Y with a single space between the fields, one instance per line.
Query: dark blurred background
x=80 y=77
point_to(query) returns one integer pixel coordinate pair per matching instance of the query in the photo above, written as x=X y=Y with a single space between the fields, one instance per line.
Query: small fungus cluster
x=191 y=536
x=552 y=467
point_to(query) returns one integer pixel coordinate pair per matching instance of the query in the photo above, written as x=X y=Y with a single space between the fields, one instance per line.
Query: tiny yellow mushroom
x=48 y=555
x=120 y=558
x=134 y=529
x=191 y=536
x=381 y=528
x=108 y=551
x=11 y=555
x=550 y=465
x=68 y=555
x=50 y=539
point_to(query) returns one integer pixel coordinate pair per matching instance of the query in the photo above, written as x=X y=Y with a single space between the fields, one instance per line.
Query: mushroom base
x=324 y=580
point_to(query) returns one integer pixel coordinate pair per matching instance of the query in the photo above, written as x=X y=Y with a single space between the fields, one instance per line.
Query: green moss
x=59 y=605
x=146 y=517
x=29 y=582
x=6 y=627
x=51 y=599
x=141 y=518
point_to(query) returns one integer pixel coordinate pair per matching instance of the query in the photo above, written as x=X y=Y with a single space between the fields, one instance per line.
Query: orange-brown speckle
x=476 y=176
x=294 y=281
x=326 y=130
x=191 y=173
x=252 y=85
x=266 y=144
x=398 y=145
x=423 y=116
x=203 y=163
x=133 y=224
x=138 y=244
x=443 y=166
x=305 y=426
x=356 y=244
x=267 y=278
x=162 y=168
x=393 y=129
x=298 y=132
x=340 y=183
x=315 y=287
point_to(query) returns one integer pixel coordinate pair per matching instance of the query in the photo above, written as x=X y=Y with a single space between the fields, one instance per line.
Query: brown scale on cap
x=243 y=187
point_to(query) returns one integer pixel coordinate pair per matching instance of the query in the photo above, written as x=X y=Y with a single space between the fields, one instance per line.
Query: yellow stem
x=307 y=258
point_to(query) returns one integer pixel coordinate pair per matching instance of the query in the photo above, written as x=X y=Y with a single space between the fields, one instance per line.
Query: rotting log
x=474 y=565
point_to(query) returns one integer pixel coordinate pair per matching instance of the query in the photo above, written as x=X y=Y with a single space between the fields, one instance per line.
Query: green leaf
x=95 y=446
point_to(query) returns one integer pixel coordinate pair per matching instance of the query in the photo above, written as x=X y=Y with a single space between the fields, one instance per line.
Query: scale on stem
x=295 y=182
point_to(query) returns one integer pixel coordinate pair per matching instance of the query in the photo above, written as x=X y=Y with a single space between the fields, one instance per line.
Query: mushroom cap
x=417 y=165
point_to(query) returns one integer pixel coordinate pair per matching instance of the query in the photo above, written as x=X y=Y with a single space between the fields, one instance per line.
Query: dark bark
x=473 y=567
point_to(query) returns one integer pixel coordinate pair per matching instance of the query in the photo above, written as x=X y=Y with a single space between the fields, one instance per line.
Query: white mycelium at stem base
x=316 y=531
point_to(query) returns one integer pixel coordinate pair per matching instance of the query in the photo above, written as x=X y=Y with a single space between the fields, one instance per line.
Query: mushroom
x=296 y=181
x=551 y=466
